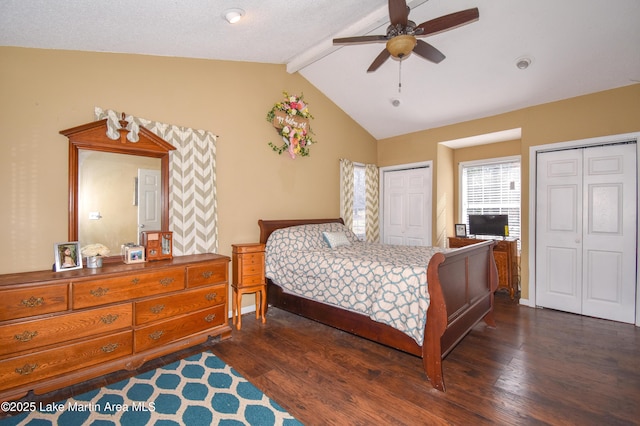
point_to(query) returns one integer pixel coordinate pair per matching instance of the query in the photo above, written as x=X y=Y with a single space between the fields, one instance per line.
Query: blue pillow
x=336 y=239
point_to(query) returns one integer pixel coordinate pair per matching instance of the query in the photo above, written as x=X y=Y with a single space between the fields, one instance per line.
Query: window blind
x=492 y=187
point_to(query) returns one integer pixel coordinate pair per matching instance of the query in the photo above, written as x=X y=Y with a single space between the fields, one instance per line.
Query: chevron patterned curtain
x=346 y=198
x=193 y=215
x=372 y=228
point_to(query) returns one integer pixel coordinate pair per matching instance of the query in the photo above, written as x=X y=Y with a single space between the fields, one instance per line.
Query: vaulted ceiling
x=575 y=47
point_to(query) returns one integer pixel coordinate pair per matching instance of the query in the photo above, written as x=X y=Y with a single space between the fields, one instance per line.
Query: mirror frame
x=93 y=136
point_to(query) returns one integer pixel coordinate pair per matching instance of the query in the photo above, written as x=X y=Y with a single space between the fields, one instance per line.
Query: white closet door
x=559 y=230
x=406 y=212
x=609 y=248
x=586 y=231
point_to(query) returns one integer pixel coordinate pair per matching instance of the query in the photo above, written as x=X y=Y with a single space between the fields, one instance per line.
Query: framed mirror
x=107 y=179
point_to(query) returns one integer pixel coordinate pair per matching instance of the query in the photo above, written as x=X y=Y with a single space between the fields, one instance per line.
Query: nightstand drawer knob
x=210 y=318
x=207 y=274
x=211 y=296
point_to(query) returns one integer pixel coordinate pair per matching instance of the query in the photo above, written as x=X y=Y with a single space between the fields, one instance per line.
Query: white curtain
x=193 y=215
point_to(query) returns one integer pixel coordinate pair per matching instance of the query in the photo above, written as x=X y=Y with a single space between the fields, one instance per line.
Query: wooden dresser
x=61 y=328
x=505 y=252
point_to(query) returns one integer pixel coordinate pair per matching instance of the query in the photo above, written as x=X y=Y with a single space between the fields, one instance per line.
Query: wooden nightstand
x=505 y=253
x=248 y=277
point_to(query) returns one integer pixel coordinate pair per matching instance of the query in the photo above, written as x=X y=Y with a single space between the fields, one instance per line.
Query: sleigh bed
x=457 y=291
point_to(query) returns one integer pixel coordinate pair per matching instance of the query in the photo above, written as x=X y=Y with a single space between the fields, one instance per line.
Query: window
x=492 y=187
x=359 y=198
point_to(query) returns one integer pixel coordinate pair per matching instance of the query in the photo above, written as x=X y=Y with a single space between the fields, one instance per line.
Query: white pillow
x=336 y=239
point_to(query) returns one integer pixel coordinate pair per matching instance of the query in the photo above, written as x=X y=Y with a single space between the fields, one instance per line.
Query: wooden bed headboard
x=268 y=226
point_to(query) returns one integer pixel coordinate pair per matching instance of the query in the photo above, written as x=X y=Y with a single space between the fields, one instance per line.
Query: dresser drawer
x=164 y=332
x=26 y=302
x=64 y=359
x=178 y=304
x=110 y=290
x=209 y=273
x=37 y=333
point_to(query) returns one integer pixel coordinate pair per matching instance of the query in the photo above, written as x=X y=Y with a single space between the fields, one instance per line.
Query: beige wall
x=604 y=113
x=45 y=91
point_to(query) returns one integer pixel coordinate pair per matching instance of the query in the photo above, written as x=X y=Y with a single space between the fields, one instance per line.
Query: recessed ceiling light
x=523 y=63
x=233 y=15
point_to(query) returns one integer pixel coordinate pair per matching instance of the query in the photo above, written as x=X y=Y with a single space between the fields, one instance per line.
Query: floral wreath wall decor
x=291 y=120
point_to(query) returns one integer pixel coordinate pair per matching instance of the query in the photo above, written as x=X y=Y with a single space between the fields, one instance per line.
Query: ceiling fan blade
x=448 y=22
x=398 y=12
x=360 y=39
x=428 y=52
x=380 y=59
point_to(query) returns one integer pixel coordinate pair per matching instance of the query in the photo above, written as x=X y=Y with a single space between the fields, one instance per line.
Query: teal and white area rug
x=199 y=390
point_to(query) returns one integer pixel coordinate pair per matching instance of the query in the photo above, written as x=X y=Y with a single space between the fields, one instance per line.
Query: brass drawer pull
x=33 y=302
x=211 y=296
x=27 y=369
x=210 y=318
x=156 y=335
x=156 y=309
x=109 y=319
x=110 y=347
x=166 y=281
x=135 y=281
x=26 y=336
x=207 y=274
x=99 y=292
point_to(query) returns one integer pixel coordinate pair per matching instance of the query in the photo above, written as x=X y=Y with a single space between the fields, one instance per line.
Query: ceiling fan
x=401 y=37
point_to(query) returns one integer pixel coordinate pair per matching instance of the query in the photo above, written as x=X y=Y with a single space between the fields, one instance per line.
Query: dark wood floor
x=537 y=367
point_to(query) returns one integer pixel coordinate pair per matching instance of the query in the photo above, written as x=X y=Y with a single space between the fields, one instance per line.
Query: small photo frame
x=67 y=256
x=134 y=254
x=461 y=229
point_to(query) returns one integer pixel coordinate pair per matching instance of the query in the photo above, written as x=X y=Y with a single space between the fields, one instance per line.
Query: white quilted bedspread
x=385 y=282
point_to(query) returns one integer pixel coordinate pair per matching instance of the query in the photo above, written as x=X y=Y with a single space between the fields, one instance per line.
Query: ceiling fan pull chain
x=400 y=77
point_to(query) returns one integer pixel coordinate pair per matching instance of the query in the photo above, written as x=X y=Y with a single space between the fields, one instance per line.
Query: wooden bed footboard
x=461 y=286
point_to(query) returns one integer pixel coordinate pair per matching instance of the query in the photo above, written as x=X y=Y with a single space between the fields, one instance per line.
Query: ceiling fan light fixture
x=401 y=46
x=233 y=15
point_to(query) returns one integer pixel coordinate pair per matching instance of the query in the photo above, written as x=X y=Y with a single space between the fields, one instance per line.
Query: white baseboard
x=244 y=310
x=526 y=302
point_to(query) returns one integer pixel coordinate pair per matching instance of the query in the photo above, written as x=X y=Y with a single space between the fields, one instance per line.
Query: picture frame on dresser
x=461 y=230
x=67 y=256
x=133 y=254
